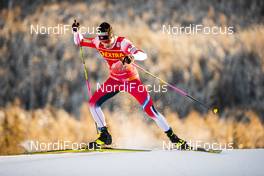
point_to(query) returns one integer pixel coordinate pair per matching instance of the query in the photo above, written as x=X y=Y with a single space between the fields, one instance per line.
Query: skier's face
x=106 y=40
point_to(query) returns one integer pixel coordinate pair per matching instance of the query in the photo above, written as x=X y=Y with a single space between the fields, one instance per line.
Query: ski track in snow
x=155 y=163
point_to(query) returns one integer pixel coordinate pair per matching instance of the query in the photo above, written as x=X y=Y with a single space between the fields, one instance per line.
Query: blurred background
x=42 y=87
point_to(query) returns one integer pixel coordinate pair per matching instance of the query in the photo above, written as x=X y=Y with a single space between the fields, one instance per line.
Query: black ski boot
x=179 y=144
x=104 y=138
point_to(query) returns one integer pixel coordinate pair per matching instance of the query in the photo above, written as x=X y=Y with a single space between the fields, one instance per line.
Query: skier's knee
x=94 y=104
x=91 y=103
x=151 y=111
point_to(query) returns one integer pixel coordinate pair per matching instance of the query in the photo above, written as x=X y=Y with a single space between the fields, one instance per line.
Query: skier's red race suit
x=120 y=75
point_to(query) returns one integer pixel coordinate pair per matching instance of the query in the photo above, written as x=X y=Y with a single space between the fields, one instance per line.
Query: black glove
x=75 y=26
x=127 y=59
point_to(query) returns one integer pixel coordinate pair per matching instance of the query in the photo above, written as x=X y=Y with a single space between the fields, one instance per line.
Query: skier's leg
x=98 y=98
x=145 y=100
x=139 y=91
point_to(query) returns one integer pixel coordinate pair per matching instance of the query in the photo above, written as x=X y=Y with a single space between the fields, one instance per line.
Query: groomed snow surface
x=165 y=163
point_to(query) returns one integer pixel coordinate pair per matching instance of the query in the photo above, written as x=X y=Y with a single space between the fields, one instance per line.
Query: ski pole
x=176 y=89
x=85 y=74
x=86 y=79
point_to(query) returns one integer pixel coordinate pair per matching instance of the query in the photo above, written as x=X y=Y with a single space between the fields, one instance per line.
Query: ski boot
x=104 y=138
x=179 y=144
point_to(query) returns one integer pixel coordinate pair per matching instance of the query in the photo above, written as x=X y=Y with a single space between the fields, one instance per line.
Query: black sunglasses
x=104 y=37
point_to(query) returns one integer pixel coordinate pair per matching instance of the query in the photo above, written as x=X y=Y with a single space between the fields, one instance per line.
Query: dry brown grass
x=50 y=125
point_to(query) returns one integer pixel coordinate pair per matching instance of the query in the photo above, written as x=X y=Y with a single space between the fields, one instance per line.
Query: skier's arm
x=78 y=38
x=130 y=49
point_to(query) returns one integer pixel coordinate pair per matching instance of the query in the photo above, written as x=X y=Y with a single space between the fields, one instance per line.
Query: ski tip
x=207 y=150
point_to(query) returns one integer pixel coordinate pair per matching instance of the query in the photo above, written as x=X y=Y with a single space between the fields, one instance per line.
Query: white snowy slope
x=234 y=162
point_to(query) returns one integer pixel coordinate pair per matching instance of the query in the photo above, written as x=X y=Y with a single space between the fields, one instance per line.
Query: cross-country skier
x=120 y=53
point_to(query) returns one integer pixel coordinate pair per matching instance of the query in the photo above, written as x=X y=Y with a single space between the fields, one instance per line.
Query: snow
x=230 y=162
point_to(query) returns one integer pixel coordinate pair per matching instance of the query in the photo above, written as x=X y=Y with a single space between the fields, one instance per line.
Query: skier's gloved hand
x=77 y=36
x=128 y=59
x=75 y=26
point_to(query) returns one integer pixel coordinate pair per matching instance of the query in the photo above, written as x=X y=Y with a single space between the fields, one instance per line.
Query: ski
x=96 y=147
x=198 y=149
x=205 y=150
x=85 y=150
